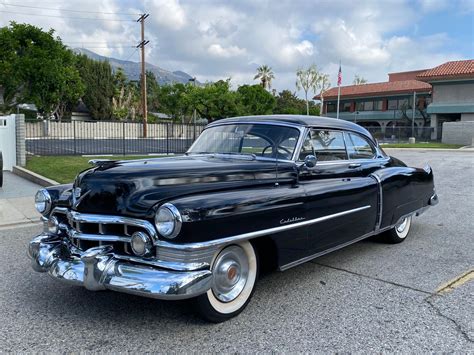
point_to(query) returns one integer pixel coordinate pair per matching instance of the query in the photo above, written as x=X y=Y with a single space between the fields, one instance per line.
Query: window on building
x=359 y=147
x=359 y=106
x=392 y=105
x=345 y=107
x=331 y=107
x=404 y=104
x=378 y=105
x=368 y=106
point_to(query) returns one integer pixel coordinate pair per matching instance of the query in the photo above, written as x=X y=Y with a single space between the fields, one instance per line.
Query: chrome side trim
x=250 y=235
x=340 y=246
x=327 y=251
x=380 y=202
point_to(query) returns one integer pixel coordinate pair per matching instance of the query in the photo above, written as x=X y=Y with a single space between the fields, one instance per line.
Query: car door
x=339 y=200
x=362 y=154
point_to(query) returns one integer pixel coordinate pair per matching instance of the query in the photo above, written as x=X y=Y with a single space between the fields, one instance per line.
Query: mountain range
x=133 y=69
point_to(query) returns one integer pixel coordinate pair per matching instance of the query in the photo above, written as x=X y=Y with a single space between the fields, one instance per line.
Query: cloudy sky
x=219 y=39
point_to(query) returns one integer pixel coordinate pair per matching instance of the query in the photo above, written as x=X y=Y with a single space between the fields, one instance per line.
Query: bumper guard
x=98 y=269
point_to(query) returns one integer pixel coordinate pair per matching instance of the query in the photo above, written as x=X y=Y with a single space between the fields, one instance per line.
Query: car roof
x=298 y=121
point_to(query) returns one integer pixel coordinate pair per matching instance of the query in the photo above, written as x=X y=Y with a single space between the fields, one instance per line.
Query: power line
x=71 y=18
x=131 y=55
x=79 y=11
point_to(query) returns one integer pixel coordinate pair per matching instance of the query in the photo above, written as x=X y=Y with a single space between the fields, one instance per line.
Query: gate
x=8 y=141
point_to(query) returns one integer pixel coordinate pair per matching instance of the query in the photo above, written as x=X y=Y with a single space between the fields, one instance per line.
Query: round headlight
x=43 y=201
x=168 y=221
x=141 y=244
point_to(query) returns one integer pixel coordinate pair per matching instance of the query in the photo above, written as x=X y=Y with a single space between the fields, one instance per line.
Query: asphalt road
x=369 y=297
x=52 y=146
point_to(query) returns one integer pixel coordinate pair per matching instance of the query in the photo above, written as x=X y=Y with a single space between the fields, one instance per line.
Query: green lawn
x=422 y=145
x=64 y=169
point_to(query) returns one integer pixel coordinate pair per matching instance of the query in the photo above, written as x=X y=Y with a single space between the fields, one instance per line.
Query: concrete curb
x=33 y=177
x=460 y=150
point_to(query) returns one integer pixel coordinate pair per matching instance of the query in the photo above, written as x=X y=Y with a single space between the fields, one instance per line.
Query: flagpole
x=338 y=99
x=339 y=82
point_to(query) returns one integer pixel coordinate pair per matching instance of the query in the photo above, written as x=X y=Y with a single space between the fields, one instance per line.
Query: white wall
x=453 y=93
x=458 y=132
x=8 y=141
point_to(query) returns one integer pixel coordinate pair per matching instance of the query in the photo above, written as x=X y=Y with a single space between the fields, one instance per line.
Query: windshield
x=264 y=140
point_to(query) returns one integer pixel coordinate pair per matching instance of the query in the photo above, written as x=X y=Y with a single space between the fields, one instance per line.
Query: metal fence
x=108 y=137
x=400 y=134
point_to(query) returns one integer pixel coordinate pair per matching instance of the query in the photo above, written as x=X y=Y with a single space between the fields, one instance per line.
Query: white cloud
x=167 y=13
x=218 y=51
x=214 y=39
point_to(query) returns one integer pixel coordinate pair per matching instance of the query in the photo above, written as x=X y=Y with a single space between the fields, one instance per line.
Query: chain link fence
x=108 y=137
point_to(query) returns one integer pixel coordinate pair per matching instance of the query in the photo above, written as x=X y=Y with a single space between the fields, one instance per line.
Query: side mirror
x=310 y=161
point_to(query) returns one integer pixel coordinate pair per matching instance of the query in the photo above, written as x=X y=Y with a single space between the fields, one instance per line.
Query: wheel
x=235 y=271
x=398 y=233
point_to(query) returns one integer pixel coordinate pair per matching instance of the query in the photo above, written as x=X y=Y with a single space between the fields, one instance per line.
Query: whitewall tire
x=235 y=273
x=400 y=232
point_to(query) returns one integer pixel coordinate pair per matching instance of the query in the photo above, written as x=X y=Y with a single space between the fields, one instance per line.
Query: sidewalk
x=17 y=201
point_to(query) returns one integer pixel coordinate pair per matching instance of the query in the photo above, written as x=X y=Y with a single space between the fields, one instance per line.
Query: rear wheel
x=398 y=233
x=235 y=272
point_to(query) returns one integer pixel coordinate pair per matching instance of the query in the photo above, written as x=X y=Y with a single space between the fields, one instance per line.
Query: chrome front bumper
x=98 y=269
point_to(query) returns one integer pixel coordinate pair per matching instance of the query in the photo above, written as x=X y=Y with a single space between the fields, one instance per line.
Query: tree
x=266 y=75
x=358 y=80
x=126 y=100
x=36 y=67
x=288 y=103
x=173 y=100
x=214 y=100
x=324 y=84
x=306 y=80
x=255 y=100
x=99 y=86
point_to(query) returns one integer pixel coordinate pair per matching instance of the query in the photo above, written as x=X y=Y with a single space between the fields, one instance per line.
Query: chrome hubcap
x=403 y=224
x=230 y=270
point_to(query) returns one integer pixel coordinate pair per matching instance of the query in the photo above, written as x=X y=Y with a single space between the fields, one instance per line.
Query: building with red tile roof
x=441 y=94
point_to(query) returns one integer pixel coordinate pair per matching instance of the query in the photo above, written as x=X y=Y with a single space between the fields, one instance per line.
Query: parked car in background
x=251 y=193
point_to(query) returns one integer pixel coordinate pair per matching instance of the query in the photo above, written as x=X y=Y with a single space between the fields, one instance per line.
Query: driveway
x=369 y=297
x=17 y=201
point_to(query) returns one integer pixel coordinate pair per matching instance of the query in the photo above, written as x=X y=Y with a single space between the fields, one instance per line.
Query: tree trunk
x=307 y=103
x=321 y=109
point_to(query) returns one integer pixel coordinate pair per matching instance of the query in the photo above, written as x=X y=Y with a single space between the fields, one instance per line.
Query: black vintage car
x=251 y=193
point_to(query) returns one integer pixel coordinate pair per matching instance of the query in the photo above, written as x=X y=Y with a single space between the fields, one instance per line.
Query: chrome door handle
x=354 y=165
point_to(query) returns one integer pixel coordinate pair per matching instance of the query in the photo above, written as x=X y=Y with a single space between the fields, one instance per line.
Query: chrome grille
x=88 y=231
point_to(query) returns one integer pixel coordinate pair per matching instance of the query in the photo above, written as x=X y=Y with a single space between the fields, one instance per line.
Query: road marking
x=456 y=282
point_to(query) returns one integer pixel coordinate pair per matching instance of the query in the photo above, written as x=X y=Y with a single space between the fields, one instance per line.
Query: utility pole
x=142 y=45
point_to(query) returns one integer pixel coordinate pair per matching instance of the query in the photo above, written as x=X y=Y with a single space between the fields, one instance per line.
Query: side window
x=328 y=145
x=306 y=149
x=359 y=147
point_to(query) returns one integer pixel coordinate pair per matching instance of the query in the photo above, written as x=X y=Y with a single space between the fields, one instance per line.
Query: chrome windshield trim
x=297 y=126
x=250 y=235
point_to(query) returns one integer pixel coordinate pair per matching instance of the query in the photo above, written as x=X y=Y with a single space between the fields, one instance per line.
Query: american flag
x=339 y=76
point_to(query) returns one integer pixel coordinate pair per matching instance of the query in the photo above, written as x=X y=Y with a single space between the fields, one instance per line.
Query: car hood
x=134 y=188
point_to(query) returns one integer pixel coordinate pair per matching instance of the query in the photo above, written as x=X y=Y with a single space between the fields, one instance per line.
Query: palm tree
x=358 y=80
x=265 y=74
